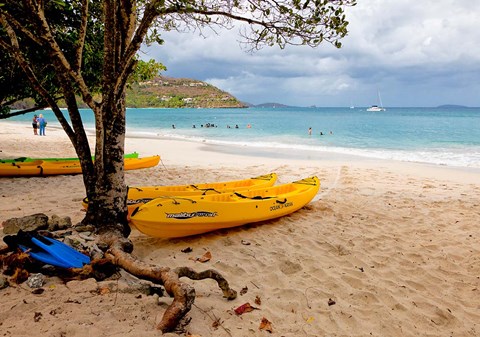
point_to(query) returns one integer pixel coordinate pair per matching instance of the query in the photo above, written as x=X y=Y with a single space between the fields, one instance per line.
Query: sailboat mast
x=380 y=99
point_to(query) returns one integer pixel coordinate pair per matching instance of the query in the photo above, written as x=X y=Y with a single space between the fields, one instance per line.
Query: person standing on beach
x=35 y=125
x=309 y=131
x=42 y=123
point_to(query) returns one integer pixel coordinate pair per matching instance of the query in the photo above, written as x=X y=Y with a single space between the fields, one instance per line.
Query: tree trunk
x=107 y=206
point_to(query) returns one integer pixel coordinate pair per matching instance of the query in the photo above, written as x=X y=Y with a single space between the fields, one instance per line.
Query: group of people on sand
x=39 y=123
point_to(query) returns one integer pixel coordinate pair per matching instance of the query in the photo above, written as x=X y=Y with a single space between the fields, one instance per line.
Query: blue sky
x=414 y=52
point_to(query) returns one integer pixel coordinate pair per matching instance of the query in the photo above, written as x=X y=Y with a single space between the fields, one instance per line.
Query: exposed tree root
x=228 y=293
x=118 y=253
x=183 y=294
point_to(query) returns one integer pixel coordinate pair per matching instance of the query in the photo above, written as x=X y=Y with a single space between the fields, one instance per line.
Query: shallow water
x=429 y=135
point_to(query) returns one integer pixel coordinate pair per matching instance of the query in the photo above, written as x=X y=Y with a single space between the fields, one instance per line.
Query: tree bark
x=107 y=207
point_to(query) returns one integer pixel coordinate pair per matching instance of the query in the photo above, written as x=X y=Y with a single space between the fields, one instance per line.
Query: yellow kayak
x=138 y=195
x=183 y=216
x=46 y=168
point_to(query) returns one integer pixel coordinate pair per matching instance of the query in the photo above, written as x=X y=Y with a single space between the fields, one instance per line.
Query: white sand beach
x=386 y=249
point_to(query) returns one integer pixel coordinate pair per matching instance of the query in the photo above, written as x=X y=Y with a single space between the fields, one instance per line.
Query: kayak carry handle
x=257 y=197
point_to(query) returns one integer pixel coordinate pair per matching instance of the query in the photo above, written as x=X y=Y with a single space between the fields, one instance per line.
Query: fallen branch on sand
x=184 y=294
x=117 y=254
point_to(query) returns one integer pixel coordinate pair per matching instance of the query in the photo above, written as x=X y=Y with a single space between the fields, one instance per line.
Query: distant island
x=268 y=105
x=451 y=106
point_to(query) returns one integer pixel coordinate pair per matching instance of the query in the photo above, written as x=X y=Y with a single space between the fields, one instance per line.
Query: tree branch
x=14 y=49
x=81 y=37
x=24 y=111
x=17 y=25
x=56 y=52
x=79 y=138
x=109 y=44
x=132 y=48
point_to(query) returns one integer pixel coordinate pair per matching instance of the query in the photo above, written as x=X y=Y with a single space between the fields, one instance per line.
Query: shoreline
x=393 y=244
x=302 y=148
x=219 y=152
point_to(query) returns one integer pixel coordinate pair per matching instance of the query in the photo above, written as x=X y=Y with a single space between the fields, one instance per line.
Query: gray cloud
x=417 y=53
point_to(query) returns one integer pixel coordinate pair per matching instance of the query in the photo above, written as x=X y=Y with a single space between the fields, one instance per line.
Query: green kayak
x=28 y=159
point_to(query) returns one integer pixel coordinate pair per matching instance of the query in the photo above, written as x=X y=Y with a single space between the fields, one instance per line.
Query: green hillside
x=167 y=92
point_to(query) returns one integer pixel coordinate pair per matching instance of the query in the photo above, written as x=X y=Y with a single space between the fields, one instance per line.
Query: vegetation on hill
x=167 y=92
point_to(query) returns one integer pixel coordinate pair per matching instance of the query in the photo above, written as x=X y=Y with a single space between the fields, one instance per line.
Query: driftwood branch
x=228 y=293
x=183 y=294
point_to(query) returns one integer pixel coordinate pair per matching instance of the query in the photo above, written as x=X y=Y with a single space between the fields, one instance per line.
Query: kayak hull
x=170 y=217
x=42 y=168
x=138 y=195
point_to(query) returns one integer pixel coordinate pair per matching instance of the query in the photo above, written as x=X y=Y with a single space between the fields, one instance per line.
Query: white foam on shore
x=459 y=157
x=462 y=157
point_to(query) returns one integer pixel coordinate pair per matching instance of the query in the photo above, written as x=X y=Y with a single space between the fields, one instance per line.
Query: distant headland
x=166 y=92
x=268 y=105
x=451 y=106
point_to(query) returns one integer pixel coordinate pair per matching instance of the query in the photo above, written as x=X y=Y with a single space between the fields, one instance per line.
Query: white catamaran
x=377 y=108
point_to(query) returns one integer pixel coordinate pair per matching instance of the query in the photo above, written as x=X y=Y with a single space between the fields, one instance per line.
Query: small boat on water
x=375 y=108
x=170 y=217
x=139 y=195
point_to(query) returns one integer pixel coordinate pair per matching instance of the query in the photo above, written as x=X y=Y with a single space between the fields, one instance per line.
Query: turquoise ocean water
x=443 y=136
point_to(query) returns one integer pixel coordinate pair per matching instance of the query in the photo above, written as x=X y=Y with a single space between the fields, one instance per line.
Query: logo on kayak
x=189 y=215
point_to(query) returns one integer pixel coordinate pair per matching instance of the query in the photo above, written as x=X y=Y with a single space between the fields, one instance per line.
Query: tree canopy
x=78 y=26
